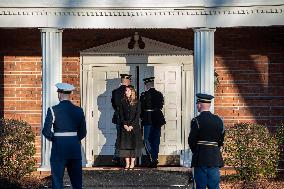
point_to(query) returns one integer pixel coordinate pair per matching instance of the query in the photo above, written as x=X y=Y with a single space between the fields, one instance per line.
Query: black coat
x=206 y=127
x=129 y=115
x=153 y=101
x=117 y=96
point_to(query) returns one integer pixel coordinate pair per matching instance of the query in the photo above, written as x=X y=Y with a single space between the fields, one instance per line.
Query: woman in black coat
x=131 y=143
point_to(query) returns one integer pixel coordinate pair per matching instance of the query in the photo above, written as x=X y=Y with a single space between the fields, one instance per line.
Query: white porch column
x=51 y=43
x=204 y=62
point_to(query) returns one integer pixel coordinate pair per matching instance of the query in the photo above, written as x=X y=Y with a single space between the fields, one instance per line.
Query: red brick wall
x=249 y=61
x=20 y=77
x=250 y=64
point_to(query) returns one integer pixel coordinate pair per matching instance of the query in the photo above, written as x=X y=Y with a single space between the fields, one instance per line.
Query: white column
x=51 y=44
x=204 y=62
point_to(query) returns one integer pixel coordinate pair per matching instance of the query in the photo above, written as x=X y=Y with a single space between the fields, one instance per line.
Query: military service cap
x=64 y=88
x=204 y=98
x=148 y=79
x=125 y=76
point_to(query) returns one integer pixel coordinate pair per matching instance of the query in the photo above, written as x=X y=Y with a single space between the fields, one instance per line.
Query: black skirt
x=131 y=144
x=128 y=140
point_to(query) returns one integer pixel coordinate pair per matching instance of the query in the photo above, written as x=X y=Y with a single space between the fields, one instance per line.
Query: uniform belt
x=66 y=134
x=151 y=110
x=207 y=143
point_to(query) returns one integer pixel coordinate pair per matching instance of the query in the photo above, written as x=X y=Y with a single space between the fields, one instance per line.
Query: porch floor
x=140 y=177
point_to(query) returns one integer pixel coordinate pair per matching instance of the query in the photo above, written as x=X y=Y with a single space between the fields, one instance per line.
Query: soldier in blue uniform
x=117 y=96
x=152 y=102
x=205 y=139
x=65 y=127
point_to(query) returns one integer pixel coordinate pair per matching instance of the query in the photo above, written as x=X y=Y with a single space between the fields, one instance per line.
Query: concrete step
x=162 y=177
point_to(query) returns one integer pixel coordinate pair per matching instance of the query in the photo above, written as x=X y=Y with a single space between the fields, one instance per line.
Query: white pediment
x=121 y=47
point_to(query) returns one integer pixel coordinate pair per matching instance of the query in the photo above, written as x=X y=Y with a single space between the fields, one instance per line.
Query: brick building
x=85 y=43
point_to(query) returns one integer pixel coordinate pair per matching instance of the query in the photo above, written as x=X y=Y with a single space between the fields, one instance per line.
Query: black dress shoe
x=154 y=164
x=116 y=162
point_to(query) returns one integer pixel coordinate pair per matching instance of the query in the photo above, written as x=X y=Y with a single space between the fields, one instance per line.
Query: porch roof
x=140 y=14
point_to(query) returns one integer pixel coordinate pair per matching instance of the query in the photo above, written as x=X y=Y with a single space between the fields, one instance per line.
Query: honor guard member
x=117 y=96
x=152 y=102
x=65 y=127
x=205 y=139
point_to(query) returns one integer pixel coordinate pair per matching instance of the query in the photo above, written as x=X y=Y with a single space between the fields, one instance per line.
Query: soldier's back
x=152 y=102
x=211 y=126
x=117 y=95
x=68 y=118
x=210 y=129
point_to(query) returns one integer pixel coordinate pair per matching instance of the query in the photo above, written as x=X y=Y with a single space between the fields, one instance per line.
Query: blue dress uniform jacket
x=117 y=96
x=68 y=118
x=206 y=127
x=152 y=102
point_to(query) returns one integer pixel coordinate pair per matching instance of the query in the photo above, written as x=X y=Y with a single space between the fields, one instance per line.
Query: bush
x=253 y=151
x=17 y=149
x=31 y=182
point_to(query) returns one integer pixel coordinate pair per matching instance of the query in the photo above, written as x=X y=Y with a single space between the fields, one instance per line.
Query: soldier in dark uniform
x=117 y=96
x=205 y=139
x=152 y=102
x=65 y=127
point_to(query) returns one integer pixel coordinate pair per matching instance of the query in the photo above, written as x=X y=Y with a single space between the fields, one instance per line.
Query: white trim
x=165 y=55
x=131 y=3
x=152 y=48
x=172 y=17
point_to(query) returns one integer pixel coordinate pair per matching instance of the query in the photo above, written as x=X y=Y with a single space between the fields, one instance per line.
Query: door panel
x=106 y=79
x=168 y=82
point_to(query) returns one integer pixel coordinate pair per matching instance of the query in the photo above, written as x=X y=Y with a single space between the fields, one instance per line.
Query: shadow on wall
x=105 y=125
x=251 y=76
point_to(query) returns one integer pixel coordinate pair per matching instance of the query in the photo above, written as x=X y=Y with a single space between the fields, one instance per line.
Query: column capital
x=50 y=30
x=204 y=29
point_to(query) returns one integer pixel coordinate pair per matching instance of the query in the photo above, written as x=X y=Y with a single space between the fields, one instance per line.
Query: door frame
x=187 y=94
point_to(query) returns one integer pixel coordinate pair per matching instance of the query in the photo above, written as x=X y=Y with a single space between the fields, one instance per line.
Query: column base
x=44 y=168
x=88 y=165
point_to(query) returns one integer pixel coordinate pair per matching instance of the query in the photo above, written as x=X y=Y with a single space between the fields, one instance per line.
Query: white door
x=105 y=80
x=168 y=82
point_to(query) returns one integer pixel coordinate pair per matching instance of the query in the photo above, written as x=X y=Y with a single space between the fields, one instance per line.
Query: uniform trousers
x=152 y=136
x=116 y=151
x=206 y=177
x=74 y=169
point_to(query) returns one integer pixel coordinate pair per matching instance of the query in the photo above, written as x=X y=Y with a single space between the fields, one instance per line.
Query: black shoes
x=154 y=164
x=116 y=161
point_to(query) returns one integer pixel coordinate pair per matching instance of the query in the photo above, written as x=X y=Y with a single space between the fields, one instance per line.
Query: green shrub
x=253 y=151
x=17 y=149
x=280 y=135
